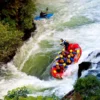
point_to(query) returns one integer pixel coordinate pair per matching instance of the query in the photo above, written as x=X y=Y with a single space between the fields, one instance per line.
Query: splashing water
x=74 y=20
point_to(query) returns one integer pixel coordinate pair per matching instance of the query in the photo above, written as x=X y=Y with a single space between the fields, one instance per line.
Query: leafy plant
x=88 y=88
x=21 y=94
x=26 y=14
x=16 y=93
x=16 y=17
x=10 y=39
x=18 y=13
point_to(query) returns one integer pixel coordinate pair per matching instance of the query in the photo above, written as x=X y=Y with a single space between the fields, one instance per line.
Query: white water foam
x=86 y=35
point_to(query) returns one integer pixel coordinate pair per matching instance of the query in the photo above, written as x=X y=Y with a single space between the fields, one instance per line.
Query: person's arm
x=62 y=43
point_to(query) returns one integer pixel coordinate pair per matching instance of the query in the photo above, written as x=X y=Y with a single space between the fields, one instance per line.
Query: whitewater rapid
x=74 y=20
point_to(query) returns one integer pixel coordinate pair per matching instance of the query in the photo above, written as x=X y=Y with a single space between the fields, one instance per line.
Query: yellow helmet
x=78 y=51
x=61 y=56
x=63 y=49
x=57 y=63
x=68 y=60
x=71 y=50
x=56 y=57
x=64 y=64
x=69 y=56
x=54 y=71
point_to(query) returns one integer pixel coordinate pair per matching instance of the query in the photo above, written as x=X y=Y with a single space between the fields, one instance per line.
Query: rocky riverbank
x=16 y=26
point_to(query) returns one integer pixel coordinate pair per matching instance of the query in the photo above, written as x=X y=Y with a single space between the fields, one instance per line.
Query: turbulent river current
x=77 y=21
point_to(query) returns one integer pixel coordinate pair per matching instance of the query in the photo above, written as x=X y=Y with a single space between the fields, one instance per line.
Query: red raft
x=75 y=48
x=58 y=73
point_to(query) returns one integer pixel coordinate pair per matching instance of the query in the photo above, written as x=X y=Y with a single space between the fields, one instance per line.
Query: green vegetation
x=18 y=13
x=16 y=93
x=34 y=98
x=16 y=18
x=21 y=94
x=9 y=41
x=88 y=88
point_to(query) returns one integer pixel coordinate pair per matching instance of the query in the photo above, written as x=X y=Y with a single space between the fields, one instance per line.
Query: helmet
x=61 y=56
x=64 y=64
x=61 y=40
x=54 y=71
x=71 y=50
x=56 y=57
x=69 y=56
x=78 y=51
x=57 y=63
x=68 y=60
x=63 y=49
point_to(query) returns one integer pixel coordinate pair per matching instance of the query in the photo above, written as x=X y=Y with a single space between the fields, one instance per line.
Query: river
x=77 y=21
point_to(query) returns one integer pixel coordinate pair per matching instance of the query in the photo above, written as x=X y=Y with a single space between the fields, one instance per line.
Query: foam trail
x=74 y=20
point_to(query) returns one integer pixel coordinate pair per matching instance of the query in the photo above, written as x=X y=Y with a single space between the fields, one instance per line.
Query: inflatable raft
x=57 y=73
x=60 y=65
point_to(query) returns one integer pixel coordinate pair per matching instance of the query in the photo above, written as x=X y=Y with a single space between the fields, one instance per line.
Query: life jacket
x=59 y=70
x=64 y=53
x=61 y=61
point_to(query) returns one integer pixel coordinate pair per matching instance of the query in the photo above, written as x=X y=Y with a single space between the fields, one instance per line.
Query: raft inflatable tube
x=55 y=73
x=59 y=74
x=75 y=48
x=77 y=56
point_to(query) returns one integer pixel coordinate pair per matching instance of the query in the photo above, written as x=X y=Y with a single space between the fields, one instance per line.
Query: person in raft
x=60 y=67
x=64 y=53
x=43 y=14
x=67 y=60
x=64 y=43
x=70 y=47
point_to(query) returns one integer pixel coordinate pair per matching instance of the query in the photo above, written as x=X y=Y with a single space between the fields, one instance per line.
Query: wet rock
x=98 y=65
x=68 y=95
x=76 y=96
x=72 y=95
x=83 y=66
x=98 y=76
x=98 y=55
x=92 y=67
x=28 y=32
x=10 y=57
